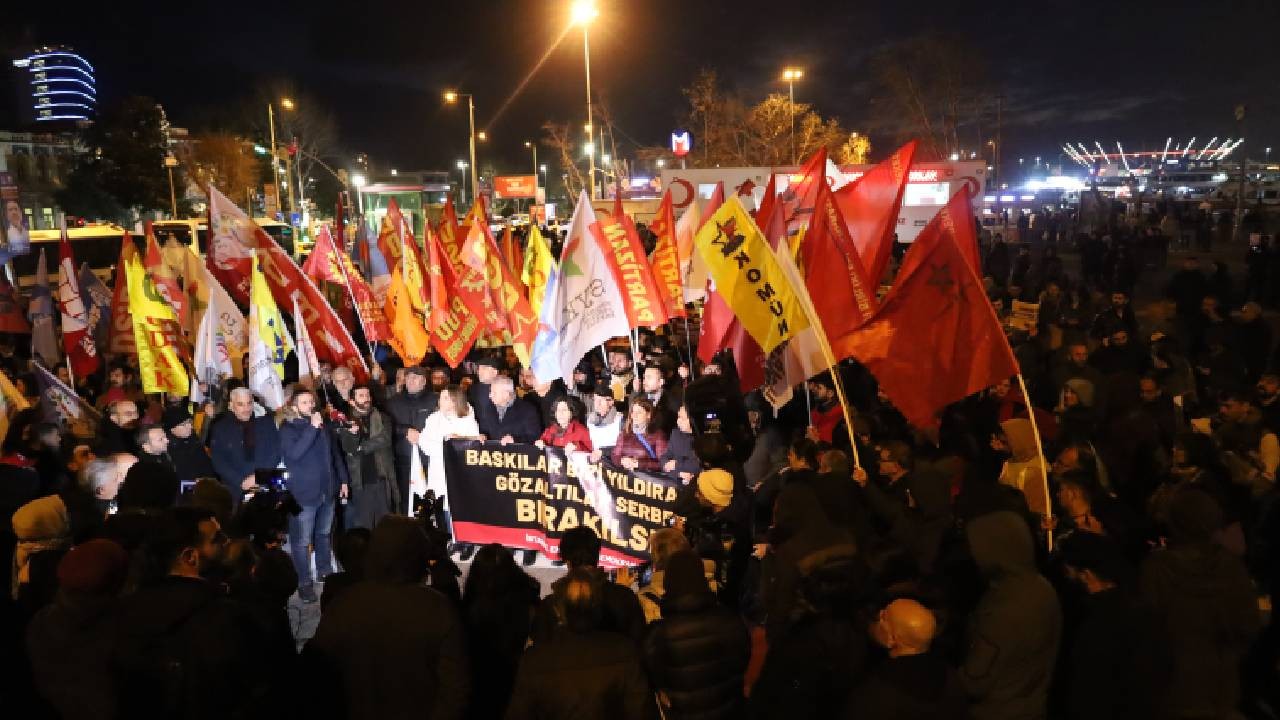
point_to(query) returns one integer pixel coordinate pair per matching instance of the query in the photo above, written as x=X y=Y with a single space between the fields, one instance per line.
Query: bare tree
x=221 y=159
x=557 y=137
x=936 y=88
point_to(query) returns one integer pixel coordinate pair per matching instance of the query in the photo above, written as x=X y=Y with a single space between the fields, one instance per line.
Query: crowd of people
x=1106 y=548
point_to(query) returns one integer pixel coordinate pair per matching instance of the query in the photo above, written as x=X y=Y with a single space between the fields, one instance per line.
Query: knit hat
x=716 y=486
x=97 y=567
x=1083 y=390
x=684 y=575
x=175 y=415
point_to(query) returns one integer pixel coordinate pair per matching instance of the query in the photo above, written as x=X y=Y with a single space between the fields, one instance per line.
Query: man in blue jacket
x=241 y=444
x=316 y=471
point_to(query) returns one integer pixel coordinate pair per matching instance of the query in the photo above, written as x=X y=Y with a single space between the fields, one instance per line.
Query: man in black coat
x=241 y=444
x=1098 y=672
x=116 y=434
x=510 y=421
x=697 y=654
x=409 y=409
x=488 y=369
x=913 y=682
x=388 y=646
x=183 y=646
x=583 y=672
x=620 y=610
x=190 y=456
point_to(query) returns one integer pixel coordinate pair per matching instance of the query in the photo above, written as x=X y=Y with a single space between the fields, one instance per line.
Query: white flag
x=587 y=305
x=803 y=356
x=269 y=342
x=308 y=363
x=222 y=335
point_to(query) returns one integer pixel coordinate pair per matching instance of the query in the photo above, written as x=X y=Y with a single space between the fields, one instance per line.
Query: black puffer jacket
x=582 y=676
x=697 y=655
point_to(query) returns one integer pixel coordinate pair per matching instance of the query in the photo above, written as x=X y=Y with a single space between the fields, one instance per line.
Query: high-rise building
x=56 y=86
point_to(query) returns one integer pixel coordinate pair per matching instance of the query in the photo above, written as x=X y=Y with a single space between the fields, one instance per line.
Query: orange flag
x=620 y=243
x=665 y=259
x=870 y=208
x=935 y=339
x=409 y=336
x=120 y=341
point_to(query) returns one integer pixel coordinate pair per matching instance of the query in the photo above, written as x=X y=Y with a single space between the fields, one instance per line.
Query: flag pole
x=1044 y=470
x=688 y=346
x=71 y=374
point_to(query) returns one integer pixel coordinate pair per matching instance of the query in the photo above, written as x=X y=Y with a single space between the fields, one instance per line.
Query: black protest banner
x=524 y=497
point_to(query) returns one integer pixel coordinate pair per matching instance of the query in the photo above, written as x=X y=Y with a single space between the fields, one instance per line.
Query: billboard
x=506 y=187
x=16 y=237
x=929 y=186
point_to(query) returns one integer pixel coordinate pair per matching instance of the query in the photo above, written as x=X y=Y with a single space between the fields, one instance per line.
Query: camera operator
x=316 y=472
x=366 y=442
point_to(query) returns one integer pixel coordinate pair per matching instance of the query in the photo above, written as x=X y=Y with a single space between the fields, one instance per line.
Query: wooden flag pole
x=1044 y=469
x=844 y=405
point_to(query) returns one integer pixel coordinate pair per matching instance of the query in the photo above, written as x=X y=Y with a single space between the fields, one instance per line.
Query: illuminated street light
x=589 y=149
x=582 y=13
x=791 y=75
x=661 y=162
x=605 y=158
x=451 y=97
x=534 y=147
x=482 y=136
x=359 y=182
x=462 y=165
x=286 y=103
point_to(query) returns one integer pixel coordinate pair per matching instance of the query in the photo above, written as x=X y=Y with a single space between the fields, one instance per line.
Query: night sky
x=1069 y=70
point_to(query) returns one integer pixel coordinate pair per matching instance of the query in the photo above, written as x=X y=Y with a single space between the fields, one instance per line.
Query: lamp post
x=275 y=168
x=534 y=147
x=359 y=182
x=287 y=104
x=170 y=162
x=451 y=97
x=582 y=13
x=462 y=165
x=791 y=75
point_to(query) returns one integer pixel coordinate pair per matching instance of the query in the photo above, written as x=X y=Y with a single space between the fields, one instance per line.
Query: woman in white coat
x=453 y=418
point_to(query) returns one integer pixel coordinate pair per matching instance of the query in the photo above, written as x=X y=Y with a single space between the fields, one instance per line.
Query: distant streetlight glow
x=582 y=13
x=359 y=180
x=606 y=159
x=394 y=172
x=589 y=149
x=661 y=162
x=286 y=103
x=462 y=164
x=482 y=136
x=451 y=97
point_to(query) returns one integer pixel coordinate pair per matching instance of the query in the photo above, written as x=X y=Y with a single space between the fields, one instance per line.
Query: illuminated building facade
x=56 y=86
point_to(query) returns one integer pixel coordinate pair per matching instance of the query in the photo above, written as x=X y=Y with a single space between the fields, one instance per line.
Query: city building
x=39 y=163
x=56 y=87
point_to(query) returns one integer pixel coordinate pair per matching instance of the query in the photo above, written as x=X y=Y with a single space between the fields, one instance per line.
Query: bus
x=96 y=243
x=184 y=230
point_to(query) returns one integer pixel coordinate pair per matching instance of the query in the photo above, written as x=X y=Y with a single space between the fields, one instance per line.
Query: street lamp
x=171 y=162
x=533 y=147
x=451 y=97
x=582 y=13
x=287 y=104
x=462 y=165
x=482 y=136
x=359 y=182
x=791 y=75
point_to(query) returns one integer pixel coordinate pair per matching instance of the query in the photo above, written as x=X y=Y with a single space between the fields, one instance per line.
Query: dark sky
x=1134 y=71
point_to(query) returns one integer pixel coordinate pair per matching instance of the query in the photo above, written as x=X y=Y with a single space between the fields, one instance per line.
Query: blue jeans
x=311 y=526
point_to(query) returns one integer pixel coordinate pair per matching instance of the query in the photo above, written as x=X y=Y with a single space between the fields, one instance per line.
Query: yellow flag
x=11 y=401
x=747 y=276
x=409 y=336
x=537 y=268
x=157 y=334
x=269 y=342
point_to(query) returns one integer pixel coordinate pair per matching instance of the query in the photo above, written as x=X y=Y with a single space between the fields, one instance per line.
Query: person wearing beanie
x=1203 y=615
x=41 y=526
x=697 y=654
x=190 y=456
x=70 y=642
x=715 y=488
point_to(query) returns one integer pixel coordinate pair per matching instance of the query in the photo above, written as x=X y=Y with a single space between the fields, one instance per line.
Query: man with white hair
x=101 y=477
x=241 y=444
x=511 y=421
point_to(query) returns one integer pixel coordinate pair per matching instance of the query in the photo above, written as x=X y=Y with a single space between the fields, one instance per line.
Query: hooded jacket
x=1016 y=627
x=1203 y=615
x=1023 y=470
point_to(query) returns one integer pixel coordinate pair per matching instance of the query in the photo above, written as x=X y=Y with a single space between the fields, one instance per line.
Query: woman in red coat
x=640 y=444
x=566 y=432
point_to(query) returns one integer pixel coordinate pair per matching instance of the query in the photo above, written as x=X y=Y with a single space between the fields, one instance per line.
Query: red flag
x=768 y=202
x=833 y=271
x=620 y=243
x=457 y=324
x=722 y=331
x=870 y=208
x=514 y=256
x=935 y=339
x=228 y=251
x=333 y=343
x=165 y=280
x=120 y=341
x=77 y=336
x=509 y=313
x=326 y=262
x=12 y=319
x=801 y=195
x=665 y=259
x=389 y=241
x=434 y=262
x=474 y=271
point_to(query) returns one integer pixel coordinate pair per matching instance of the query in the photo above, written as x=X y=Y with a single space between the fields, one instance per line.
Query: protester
x=697 y=653
x=604 y=422
x=498 y=603
x=582 y=671
x=365 y=439
x=454 y=418
x=116 y=434
x=316 y=473
x=409 y=410
x=913 y=681
x=509 y=421
x=242 y=444
x=640 y=445
x=662 y=545
x=618 y=607
x=565 y=431
x=388 y=646
x=190 y=456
